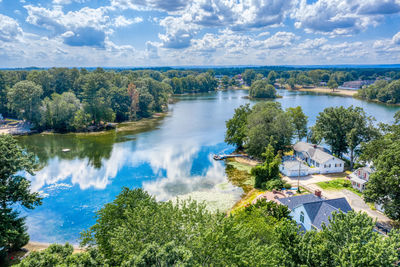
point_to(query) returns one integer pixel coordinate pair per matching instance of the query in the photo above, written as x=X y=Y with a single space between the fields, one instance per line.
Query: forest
x=65 y=100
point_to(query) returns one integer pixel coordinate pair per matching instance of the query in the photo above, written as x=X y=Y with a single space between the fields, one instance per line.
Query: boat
x=66 y=150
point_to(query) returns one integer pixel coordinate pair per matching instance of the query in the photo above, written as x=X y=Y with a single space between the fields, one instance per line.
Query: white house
x=311 y=211
x=360 y=177
x=318 y=157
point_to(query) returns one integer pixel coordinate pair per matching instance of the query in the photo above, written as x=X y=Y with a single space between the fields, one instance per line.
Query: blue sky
x=115 y=33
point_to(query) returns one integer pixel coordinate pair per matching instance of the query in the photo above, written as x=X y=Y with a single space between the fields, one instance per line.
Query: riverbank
x=329 y=91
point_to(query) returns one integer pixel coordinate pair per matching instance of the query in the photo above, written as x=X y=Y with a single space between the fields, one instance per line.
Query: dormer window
x=302 y=217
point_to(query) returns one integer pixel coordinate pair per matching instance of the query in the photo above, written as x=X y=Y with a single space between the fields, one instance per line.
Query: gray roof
x=293 y=165
x=292 y=202
x=315 y=152
x=319 y=210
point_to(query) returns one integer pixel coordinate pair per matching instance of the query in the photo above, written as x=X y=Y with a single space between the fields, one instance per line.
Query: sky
x=144 y=33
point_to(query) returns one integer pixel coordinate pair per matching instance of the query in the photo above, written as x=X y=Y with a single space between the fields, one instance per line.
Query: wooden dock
x=222 y=157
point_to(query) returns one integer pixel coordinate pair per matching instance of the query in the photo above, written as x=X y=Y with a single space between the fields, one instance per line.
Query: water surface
x=171 y=157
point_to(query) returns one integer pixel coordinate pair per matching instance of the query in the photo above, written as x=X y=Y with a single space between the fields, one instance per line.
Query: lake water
x=170 y=157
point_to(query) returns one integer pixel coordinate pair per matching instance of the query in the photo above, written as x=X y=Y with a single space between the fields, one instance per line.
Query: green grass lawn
x=338 y=184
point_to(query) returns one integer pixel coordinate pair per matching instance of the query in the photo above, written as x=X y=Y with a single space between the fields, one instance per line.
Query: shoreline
x=322 y=90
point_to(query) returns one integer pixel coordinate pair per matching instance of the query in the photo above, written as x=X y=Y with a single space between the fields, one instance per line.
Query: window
x=302 y=217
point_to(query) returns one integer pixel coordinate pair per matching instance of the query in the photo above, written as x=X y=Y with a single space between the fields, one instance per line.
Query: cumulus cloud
x=341 y=17
x=280 y=40
x=178 y=34
x=165 y=5
x=396 y=38
x=84 y=27
x=9 y=29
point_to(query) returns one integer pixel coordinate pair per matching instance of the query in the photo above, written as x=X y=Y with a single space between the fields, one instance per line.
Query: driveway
x=356 y=202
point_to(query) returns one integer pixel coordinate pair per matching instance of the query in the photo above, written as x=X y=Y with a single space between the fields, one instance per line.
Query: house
x=293 y=167
x=360 y=177
x=312 y=211
x=355 y=85
x=318 y=157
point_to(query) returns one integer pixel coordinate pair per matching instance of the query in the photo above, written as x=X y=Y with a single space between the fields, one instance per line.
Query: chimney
x=318 y=193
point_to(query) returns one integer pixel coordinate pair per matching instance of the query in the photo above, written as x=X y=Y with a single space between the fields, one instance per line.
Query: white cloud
x=280 y=40
x=342 y=17
x=121 y=21
x=396 y=38
x=9 y=29
x=166 y=5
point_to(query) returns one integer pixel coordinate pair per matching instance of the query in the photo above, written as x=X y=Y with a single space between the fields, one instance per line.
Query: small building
x=319 y=158
x=360 y=177
x=311 y=211
x=294 y=168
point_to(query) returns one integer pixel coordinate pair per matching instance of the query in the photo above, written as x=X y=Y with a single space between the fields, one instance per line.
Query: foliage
x=248 y=76
x=268 y=124
x=269 y=170
x=237 y=126
x=382 y=91
x=349 y=240
x=344 y=129
x=262 y=89
x=14 y=189
x=269 y=208
x=299 y=121
x=24 y=99
x=332 y=84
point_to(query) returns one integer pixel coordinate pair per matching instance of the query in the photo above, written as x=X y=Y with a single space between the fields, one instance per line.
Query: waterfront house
x=318 y=157
x=311 y=211
x=360 y=177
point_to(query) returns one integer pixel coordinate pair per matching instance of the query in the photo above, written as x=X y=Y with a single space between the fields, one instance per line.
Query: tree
x=24 y=99
x=237 y=126
x=268 y=122
x=248 y=76
x=344 y=129
x=383 y=186
x=299 y=121
x=262 y=89
x=58 y=112
x=225 y=82
x=269 y=170
x=348 y=235
x=271 y=78
x=332 y=84
x=14 y=189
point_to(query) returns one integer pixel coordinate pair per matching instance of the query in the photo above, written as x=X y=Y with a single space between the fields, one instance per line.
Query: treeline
x=382 y=91
x=136 y=230
x=307 y=77
x=71 y=100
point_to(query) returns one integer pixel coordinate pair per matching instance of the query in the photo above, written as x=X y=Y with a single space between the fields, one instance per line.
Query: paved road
x=355 y=201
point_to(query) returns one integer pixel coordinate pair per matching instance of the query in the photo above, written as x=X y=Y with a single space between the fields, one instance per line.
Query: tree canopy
x=14 y=189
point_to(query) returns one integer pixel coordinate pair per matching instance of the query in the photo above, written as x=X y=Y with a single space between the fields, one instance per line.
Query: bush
x=287 y=186
x=274 y=184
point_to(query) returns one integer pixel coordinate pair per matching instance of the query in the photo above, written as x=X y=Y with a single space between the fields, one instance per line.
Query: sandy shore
x=38 y=246
x=329 y=91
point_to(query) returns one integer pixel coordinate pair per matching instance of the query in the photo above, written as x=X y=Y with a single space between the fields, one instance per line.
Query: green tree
x=14 y=189
x=344 y=129
x=332 y=84
x=248 y=76
x=269 y=170
x=272 y=76
x=262 y=89
x=24 y=99
x=58 y=112
x=267 y=121
x=299 y=121
x=225 y=82
x=383 y=186
x=237 y=126
x=346 y=236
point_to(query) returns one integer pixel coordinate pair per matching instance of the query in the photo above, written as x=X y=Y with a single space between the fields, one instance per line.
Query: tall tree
x=262 y=89
x=14 y=189
x=332 y=84
x=267 y=121
x=237 y=126
x=248 y=76
x=269 y=170
x=299 y=121
x=24 y=99
x=344 y=129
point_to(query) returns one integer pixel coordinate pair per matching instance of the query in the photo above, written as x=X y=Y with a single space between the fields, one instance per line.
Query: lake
x=168 y=157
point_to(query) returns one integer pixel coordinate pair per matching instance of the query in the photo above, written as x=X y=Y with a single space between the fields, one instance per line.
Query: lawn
x=338 y=184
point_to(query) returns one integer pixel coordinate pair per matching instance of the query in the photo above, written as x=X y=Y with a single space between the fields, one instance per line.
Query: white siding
x=332 y=166
x=296 y=212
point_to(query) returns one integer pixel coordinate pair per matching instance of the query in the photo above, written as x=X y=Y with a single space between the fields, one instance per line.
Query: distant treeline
x=65 y=99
